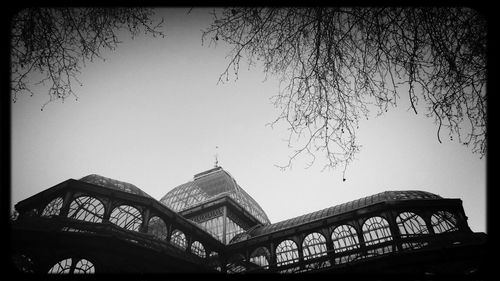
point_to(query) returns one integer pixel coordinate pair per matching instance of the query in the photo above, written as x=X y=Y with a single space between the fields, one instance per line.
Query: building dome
x=209 y=185
x=114 y=184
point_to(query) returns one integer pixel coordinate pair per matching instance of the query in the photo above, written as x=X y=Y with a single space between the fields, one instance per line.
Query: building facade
x=211 y=225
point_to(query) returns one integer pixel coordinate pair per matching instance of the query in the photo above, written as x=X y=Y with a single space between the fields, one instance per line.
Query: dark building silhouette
x=210 y=224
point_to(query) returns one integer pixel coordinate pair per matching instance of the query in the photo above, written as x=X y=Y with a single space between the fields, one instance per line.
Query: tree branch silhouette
x=55 y=42
x=335 y=65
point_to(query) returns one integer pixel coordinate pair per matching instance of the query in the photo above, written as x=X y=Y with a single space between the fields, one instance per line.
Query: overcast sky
x=153 y=113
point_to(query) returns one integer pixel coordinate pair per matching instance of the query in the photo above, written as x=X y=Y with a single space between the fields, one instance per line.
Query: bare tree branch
x=338 y=64
x=55 y=42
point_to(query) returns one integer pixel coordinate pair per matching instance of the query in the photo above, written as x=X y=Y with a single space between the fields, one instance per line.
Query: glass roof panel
x=345 y=207
x=209 y=185
x=114 y=184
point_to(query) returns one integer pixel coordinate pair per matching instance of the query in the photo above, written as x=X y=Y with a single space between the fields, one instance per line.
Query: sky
x=153 y=114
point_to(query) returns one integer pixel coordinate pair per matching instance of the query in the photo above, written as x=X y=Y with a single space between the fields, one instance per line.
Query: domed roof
x=209 y=185
x=342 y=208
x=114 y=184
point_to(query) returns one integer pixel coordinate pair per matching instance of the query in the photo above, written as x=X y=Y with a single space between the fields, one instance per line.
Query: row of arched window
x=179 y=240
x=90 y=209
x=71 y=265
x=345 y=239
x=375 y=230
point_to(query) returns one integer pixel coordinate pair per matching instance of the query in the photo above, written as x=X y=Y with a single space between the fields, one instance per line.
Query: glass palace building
x=211 y=225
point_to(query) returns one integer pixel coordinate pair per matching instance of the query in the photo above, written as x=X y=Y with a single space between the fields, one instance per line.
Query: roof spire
x=216 y=160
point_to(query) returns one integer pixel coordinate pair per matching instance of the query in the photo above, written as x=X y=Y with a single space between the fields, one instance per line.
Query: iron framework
x=95 y=226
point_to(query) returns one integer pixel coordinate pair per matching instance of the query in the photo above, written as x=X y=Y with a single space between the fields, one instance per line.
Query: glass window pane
x=345 y=238
x=314 y=246
x=87 y=209
x=65 y=266
x=53 y=208
x=61 y=267
x=198 y=249
x=411 y=225
x=157 y=227
x=84 y=266
x=127 y=217
x=287 y=253
x=214 y=226
x=212 y=222
x=376 y=230
x=260 y=257
x=232 y=229
x=178 y=239
x=443 y=221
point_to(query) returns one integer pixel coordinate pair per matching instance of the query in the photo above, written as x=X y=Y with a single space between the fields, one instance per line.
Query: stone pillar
x=145 y=220
x=272 y=257
x=68 y=197
x=391 y=219
x=297 y=239
x=358 y=225
x=329 y=246
x=108 y=205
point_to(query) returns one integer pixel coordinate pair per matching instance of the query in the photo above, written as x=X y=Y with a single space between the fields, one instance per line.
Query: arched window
x=127 y=217
x=411 y=225
x=260 y=257
x=60 y=267
x=375 y=231
x=443 y=221
x=345 y=238
x=178 y=239
x=84 y=266
x=198 y=249
x=53 y=208
x=314 y=246
x=235 y=264
x=87 y=209
x=157 y=227
x=287 y=253
x=68 y=266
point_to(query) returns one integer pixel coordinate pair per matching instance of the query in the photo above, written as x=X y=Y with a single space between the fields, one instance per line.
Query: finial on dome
x=216 y=160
